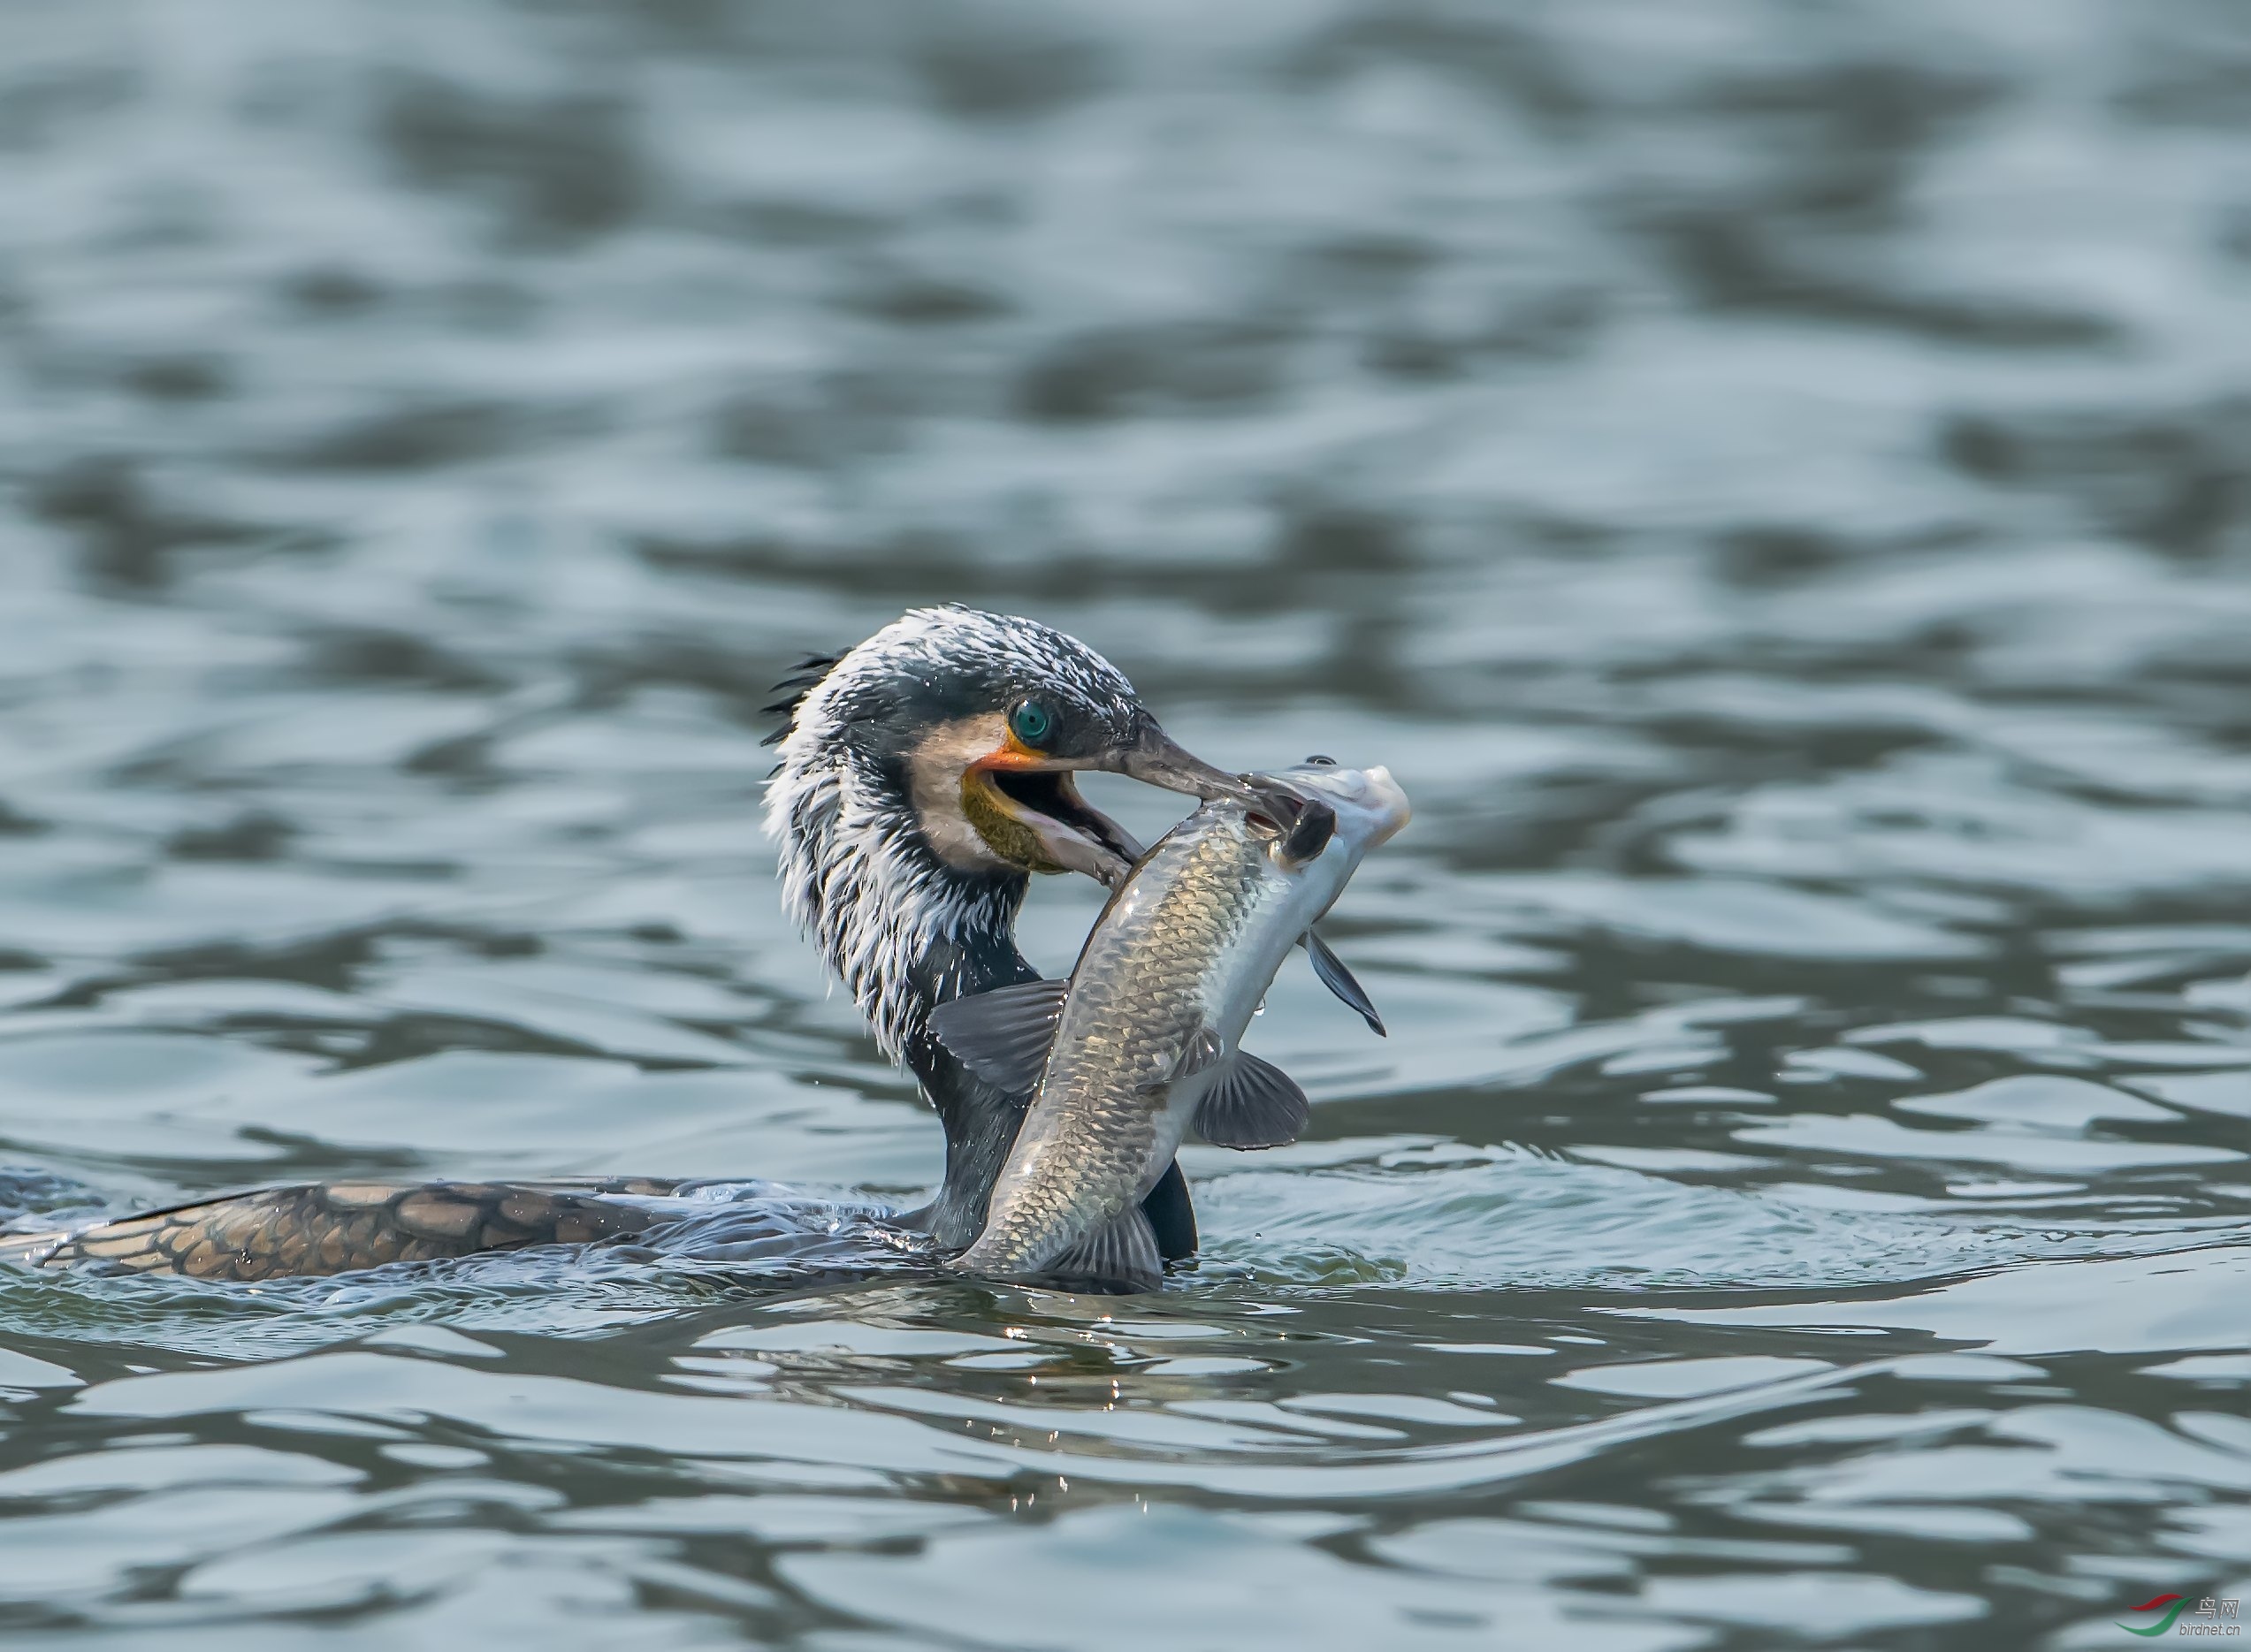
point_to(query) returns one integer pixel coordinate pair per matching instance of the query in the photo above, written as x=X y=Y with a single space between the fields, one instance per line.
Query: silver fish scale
x=1137 y=998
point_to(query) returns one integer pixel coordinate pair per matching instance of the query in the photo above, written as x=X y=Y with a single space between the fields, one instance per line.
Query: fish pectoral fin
x=1204 y=1050
x=1253 y=1104
x=1003 y=1036
x=1119 y=1258
x=1338 y=981
x=1310 y=835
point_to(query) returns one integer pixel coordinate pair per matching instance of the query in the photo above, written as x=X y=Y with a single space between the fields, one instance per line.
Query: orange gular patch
x=998 y=818
x=1012 y=754
x=986 y=800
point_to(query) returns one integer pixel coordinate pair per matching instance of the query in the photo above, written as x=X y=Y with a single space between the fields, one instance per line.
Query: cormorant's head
x=926 y=772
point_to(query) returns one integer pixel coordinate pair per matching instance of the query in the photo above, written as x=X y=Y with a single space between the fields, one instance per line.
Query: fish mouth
x=1370 y=797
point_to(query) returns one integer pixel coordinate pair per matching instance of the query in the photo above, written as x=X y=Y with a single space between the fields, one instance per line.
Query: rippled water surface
x=1774 y=480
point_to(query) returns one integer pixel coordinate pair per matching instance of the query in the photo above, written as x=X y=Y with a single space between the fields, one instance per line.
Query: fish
x=1144 y=1038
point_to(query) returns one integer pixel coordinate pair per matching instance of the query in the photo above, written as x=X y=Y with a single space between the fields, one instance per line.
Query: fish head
x=1318 y=807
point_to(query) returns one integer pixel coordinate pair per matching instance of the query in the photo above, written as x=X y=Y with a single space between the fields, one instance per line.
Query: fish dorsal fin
x=1338 y=981
x=1253 y=1104
x=1003 y=1036
x=1118 y=1258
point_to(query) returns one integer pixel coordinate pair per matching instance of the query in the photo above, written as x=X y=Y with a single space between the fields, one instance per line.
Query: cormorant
x=923 y=775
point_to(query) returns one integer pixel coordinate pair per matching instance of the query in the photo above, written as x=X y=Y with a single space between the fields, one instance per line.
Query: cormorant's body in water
x=923 y=775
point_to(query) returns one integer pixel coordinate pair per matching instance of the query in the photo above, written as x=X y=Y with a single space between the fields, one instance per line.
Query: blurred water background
x=1774 y=479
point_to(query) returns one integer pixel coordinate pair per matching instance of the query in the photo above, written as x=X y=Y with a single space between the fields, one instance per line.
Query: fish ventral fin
x=1118 y=1258
x=1338 y=981
x=1253 y=1104
x=1003 y=1036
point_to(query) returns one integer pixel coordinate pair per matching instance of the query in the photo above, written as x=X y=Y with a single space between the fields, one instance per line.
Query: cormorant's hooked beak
x=1156 y=758
x=1066 y=834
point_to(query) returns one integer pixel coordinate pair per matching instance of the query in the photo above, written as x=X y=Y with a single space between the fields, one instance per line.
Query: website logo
x=2170 y=1604
x=2209 y=1617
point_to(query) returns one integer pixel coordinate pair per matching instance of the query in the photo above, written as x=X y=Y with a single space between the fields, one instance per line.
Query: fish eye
x=1031 y=722
x=1318 y=761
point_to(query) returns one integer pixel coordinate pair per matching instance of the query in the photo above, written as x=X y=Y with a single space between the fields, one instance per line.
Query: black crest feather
x=804 y=677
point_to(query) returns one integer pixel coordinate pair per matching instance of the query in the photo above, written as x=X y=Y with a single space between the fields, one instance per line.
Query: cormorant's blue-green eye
x=1031 y=723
